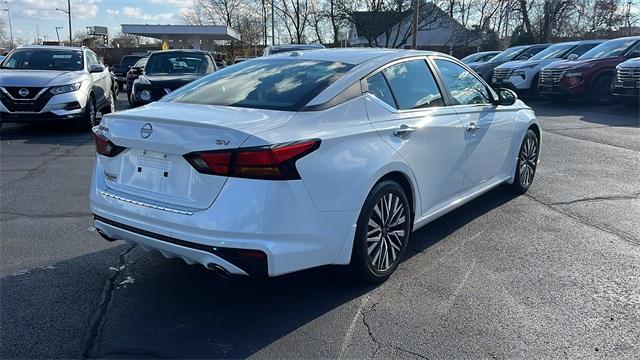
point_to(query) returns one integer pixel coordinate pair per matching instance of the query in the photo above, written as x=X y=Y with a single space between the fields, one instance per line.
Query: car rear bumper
x=277 y=218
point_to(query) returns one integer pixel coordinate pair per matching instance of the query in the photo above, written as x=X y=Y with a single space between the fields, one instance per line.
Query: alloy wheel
x=527 y=162
x=386 y=232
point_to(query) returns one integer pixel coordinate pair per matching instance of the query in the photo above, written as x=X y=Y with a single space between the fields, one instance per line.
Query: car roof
x=50 y=47
x=286 y=46
x=352 y=56
x=180 y=51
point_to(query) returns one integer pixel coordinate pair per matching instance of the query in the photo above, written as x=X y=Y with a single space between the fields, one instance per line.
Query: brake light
x=275 y=162
x=105 y=147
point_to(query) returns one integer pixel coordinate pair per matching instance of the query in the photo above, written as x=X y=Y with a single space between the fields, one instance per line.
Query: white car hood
x=39 y=78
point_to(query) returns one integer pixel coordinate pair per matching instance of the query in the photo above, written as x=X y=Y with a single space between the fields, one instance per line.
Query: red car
x=591 y=75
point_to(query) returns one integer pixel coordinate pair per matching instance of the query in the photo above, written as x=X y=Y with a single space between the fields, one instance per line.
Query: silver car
x=45 y=83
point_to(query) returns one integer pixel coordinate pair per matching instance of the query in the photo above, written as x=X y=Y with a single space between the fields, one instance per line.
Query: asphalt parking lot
x=552 y=274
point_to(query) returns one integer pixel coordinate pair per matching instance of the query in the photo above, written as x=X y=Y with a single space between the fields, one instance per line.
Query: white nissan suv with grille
x=45 y=83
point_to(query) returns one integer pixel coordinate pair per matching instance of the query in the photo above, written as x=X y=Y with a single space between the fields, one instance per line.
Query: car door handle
x=404 y=131
x=472 y=127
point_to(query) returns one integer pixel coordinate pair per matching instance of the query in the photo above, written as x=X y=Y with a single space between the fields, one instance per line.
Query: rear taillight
x=275 y=162
x=106 y=147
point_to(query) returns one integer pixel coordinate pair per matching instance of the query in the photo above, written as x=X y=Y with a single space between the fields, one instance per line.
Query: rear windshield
x=129 y=60
x=276 y=84
x=165 y=63
x=44 y=59
x=610 y=48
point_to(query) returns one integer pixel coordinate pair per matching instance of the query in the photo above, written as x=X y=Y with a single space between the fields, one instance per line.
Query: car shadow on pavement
x=56 y=133
x=148 y=306
x=596 y=114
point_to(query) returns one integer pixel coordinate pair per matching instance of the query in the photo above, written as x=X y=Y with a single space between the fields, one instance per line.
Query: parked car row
x=595 y=69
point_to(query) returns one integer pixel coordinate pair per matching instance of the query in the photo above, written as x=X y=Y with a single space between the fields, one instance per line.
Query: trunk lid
x=153 y=169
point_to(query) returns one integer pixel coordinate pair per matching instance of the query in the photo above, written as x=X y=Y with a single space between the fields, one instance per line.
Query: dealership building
x=201 y=37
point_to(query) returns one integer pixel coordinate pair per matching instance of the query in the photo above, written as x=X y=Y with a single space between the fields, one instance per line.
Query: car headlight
x=65 y=88
x=145 y=95
x=520 y=73
x=571 y=74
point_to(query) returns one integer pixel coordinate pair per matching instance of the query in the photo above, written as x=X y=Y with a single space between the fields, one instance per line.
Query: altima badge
x=146 y=130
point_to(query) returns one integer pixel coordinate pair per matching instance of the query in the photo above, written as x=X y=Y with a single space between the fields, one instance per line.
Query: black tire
x=527 y=162
x=110 y=107
x=391 y=240
x=132 y=102
x=601 y=92
x=535 y=91
x=90 y=118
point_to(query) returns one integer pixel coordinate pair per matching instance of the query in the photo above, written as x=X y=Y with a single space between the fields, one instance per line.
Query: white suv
x=522 y=76
x=44 y=83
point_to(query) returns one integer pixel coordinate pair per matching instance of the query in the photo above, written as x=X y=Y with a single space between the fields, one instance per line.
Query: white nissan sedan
x=303 y=159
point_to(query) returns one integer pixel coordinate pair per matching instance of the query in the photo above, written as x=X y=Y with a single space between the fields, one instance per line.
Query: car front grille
x=550 y=76
x=31 y=92
x=501 y=74
x=628 y=77
x=33 y=105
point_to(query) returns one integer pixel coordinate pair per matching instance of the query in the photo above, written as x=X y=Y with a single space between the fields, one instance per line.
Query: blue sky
x=26 y=14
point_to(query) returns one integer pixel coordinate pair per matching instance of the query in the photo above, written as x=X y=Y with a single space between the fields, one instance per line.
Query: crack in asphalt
x=596 y=198
x=556 y=208
x=97 y=323
x=32 y=172
x=18 y=215
x=551 y=131
x=380 y=343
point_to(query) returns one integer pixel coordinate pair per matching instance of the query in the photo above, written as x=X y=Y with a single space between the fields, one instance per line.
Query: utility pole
x=6 y=3
x=37 y=35
x=68 y=12
x=416 y=10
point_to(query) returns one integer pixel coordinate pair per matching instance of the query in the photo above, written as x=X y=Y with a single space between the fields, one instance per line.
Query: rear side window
x=378 y=87
x=413 y=85
x=465 y=88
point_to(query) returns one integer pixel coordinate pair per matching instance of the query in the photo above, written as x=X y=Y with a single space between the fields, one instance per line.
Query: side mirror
x=96 y=68
x=572 y=57
x=136 y=70
x=506 y=97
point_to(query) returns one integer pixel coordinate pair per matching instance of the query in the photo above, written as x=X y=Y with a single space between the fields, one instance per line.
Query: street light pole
x=414 y=40
x=6 y=3
x=68 y=12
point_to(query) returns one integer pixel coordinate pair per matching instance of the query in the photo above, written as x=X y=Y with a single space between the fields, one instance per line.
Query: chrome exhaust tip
x=105 y=236
x=224 y=273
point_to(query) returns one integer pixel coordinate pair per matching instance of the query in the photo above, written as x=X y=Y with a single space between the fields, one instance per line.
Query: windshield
x=44 y=59
x=608 y=49
x=276 y=84
x=178 y=63
x=509 y=54
x=129 y=60
x=553 y=52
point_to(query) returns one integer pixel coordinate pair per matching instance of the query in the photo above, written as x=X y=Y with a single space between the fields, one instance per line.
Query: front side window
x=508 y=55
x=413 y=85
x=465 y=88
x=92 y=59
x=378 y=87
x=44 y=59
x=269 y=83
x=552 y=52
x=527 y=54
x=165 y=63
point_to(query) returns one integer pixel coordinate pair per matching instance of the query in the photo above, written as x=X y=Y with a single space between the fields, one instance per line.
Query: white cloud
x=182 y=3
x=113 y=13
x=45 y=9
x=138 y=13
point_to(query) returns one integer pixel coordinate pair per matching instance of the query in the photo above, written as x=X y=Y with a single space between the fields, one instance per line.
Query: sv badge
x=223 y=142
